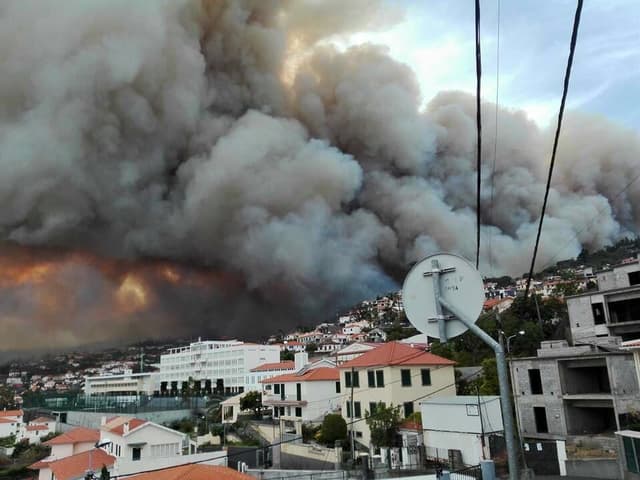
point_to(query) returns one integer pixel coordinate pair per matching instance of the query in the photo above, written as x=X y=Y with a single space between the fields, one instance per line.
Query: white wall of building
x=153 y=440
x=461 y=414
x=469 y=444
x=320 y=397
x=128 y=383
x=230 y=361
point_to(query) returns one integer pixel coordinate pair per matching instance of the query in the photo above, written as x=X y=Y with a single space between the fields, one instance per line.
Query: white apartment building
x=124 y=386
x=213 y=366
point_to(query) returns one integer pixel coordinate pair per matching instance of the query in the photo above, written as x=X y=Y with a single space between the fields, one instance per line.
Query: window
x=535 y=381
x=298 y=391
x=408 y=409
x=634 y=278
x=348 y=409
x=371 y=376
x=405 y=375
x=356 y=410
x=337 y=387
x=380 y=378
x=631 y=452
x=598 y=313
x=347 y=379
x=298 y=411
x=276 y=389
x=425 y=373
x=540 y=414
x=356 y=379
x=358 y=434
x=372 y=408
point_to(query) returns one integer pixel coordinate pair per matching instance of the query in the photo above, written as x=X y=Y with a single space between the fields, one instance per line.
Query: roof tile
x=396 y=353
x=193 y=472
x=311 y=375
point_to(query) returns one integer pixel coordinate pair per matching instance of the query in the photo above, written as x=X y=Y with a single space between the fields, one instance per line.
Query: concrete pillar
x=488 y=469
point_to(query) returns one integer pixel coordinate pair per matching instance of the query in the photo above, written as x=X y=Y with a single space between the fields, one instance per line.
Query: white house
x=353 y=351
x=267 y=370
x=38 y=428
x=134 y=439
x=10 y=422
x=74 y=467
x=458 y=424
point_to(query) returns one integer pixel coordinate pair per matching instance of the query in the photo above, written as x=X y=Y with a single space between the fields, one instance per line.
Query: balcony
x=270 y=400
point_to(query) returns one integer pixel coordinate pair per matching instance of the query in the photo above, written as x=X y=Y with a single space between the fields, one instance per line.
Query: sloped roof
x=11 y=413
x=35 y=428
x=286 y=365
x=116 y=425
x=75 y=466
x=193 y=472
x=77 y=435
x=42 y=420
x=312 y=375
x=396 y=353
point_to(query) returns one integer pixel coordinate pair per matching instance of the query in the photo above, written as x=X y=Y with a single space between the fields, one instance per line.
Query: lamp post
x=90 y=475
x=509 y=338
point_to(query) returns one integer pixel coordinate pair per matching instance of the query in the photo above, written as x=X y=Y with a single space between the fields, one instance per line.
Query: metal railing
x=469 y=473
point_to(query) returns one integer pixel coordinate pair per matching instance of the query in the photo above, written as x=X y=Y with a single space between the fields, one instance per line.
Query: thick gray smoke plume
x=234 y=135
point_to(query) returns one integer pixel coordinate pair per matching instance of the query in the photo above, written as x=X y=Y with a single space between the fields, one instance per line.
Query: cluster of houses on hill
x=12 y=425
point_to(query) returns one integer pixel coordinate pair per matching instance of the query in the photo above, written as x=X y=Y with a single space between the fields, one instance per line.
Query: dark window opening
x=587 y=379
x=298 y=411
x=598 y=313
x=282 y=392
x=298 y=391
x=634 y=278
x=631 y=451
x=371 y=378
x=380 y=378
x=405 y=375
x=135 y=453
x=356 y=379
x=624 y=311
x=276 y=389
x=535 y=381
x=540 y=414
x=408 y=409
x=426 y=376
x=337 y=387
x=348 y=409
x=347 y=379
x=372 y=408
x=356 y=410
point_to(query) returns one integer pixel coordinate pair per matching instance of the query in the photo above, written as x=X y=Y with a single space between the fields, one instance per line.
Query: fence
x=469 y=473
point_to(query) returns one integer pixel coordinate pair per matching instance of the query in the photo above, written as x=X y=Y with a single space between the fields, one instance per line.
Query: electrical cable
x=495 y=138
x=567 y=76
x=127 y=475
x=479 y=131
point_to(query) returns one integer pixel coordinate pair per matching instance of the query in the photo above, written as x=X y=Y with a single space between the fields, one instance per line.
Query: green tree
x=333 y=428
x=383 y=424
x=489 y=384
x=286 y=355
x=311 y=347
x=252 y=401
x=7 y=398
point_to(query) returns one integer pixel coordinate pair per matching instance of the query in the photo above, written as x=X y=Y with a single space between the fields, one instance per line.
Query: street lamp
x=99 y=444
x=521 y=332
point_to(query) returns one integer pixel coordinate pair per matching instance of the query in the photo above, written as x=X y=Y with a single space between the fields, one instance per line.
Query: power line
x=353 y=421
x=567 y=75
x=479 y=130
x=495 y=138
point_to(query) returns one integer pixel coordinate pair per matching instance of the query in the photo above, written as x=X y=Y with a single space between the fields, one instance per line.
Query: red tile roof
x=11 y=413
x=77 y=435
x=75 y=466
x=34 y=428
x=193 y=472
x=6 y=420
x=313 y=375
x=396 y=353
x=287 y=365
x=116 y=425
x=42 y=420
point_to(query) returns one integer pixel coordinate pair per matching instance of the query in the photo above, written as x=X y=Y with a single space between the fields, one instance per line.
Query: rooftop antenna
x=443 y=297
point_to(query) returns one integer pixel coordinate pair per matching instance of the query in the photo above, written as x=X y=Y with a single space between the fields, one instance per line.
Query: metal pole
x=353 y=438
x=503 y=379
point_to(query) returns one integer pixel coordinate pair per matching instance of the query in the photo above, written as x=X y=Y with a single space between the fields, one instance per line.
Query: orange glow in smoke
x=132 y=295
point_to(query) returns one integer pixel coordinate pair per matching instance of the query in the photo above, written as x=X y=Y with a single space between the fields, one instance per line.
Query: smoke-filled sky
x=238 y=167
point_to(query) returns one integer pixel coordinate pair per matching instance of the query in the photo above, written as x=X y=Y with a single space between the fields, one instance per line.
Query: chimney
x=125 y=428
x=300 y=359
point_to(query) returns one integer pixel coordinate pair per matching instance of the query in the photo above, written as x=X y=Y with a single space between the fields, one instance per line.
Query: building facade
x=123 y=387
x=222 y=367
x=395 y=374
x=572 y=391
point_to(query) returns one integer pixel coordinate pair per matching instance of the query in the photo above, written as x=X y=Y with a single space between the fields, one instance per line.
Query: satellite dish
x=459 y=285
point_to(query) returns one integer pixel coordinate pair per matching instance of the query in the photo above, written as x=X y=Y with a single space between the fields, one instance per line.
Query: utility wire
x=353 y=421
x=495 y=138
x=479 y=129
x=567 y=75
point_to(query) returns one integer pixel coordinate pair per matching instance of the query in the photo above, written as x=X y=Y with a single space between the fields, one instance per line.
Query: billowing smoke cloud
x=234 y=136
